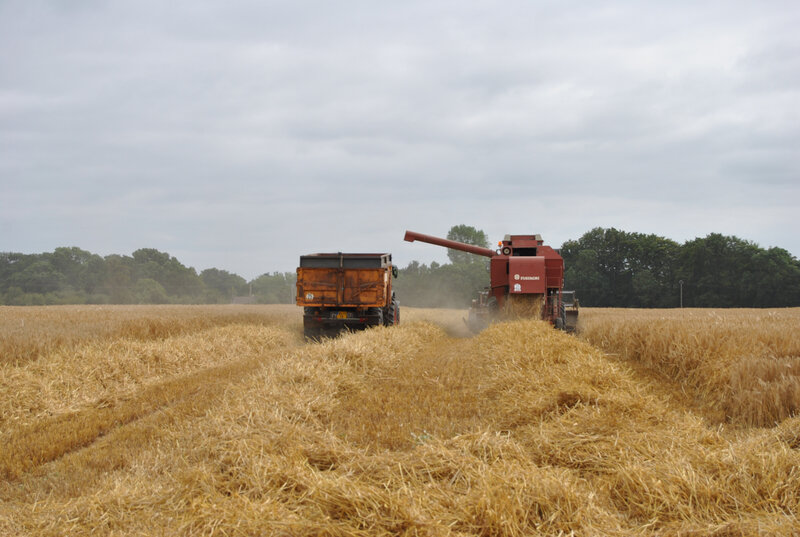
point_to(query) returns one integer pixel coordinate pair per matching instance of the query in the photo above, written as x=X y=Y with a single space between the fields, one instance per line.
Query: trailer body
x=345 y=291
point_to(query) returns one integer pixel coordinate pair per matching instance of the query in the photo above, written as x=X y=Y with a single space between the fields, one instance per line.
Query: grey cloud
x=242 y=134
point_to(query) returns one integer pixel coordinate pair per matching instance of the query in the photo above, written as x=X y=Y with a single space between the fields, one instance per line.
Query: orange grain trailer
x=341 y=291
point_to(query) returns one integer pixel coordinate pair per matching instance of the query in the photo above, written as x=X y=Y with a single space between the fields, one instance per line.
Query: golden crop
x=242 y=428
x=27 y=333
x=740 y=365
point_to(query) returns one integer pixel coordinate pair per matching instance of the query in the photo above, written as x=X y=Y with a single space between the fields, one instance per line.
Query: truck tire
x=375 y=317
x=392 y=314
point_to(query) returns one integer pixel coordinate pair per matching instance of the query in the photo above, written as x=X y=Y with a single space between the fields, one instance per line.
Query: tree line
x=606 y=268
x=613 y=268
x=75 y=276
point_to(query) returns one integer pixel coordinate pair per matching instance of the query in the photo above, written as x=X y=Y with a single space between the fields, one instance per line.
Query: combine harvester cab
x=526 y=280
x=340 y=291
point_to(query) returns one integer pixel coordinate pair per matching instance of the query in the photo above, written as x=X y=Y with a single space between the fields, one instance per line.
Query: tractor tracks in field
x=29 y=446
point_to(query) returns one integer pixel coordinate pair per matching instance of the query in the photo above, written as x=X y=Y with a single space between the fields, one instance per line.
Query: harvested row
x=521 y=430
x=27 y=446
x=66 y=400
x=743 y=365
x=97 y=373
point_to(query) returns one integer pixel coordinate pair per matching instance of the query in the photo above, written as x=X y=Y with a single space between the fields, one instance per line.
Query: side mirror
x=395 y=272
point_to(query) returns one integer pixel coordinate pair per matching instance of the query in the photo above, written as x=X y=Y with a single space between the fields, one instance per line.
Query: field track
x=30 y=445
x=224 y=421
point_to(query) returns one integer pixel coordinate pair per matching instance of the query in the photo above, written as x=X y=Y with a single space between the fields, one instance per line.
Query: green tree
x=149 y=291
x=609 y=267
x=221 y=285
x=582 y=274
x=38 y=277
x=607 y=281
x=467 y=235
x=11 y=263
x=81 y=270
x=177 y=279
x=653 y=262
x=275 y=288
x=440 y=286
x=718 y=271
x=118 y=283
x=14 y=296
x=414 y=285
x=773 y=279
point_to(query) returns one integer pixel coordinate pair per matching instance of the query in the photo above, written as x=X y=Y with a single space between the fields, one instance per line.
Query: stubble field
x=199 y=420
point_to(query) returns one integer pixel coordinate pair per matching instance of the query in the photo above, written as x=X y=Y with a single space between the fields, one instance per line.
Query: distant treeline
x=606 y=267
x=75 y=276
x=451 y=285
x=612 y=268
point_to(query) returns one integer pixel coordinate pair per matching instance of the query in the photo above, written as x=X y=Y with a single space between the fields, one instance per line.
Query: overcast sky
x=240 y=134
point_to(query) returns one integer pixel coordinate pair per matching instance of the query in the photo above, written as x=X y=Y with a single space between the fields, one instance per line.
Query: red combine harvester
x=526 y=279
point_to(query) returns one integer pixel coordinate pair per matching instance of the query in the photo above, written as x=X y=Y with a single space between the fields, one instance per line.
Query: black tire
x=391 y=315
x=375 y=312
x=310 y=330
x=561 y=322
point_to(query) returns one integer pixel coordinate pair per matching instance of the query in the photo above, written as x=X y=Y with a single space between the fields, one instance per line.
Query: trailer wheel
x=392 y=314
x=375 y=317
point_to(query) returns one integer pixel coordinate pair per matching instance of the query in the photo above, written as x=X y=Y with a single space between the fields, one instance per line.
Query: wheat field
x=739 y=365
x=198 y=420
